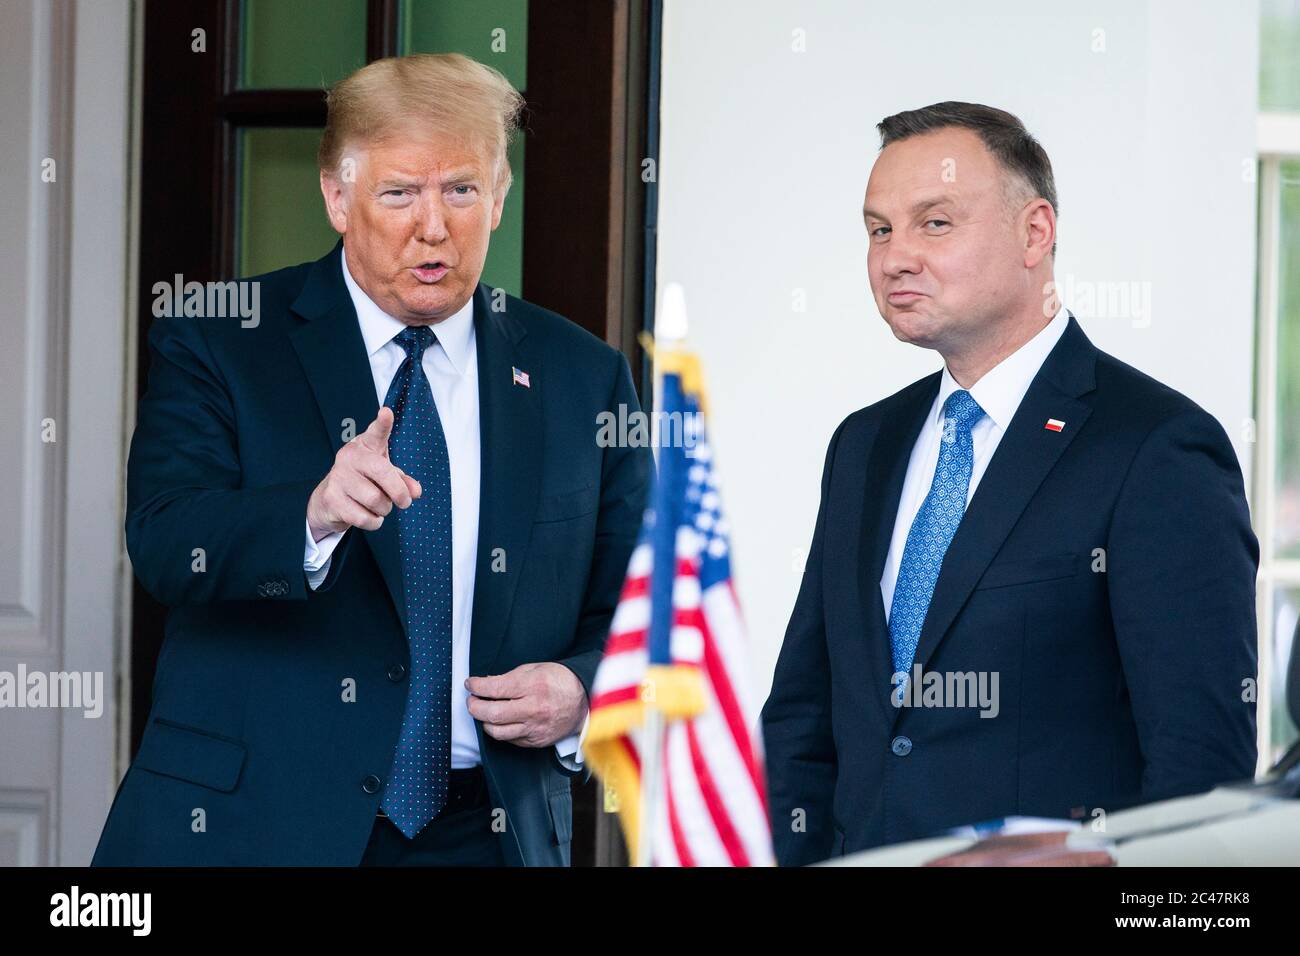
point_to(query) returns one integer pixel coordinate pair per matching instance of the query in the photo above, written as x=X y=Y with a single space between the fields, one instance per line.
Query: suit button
x=371 y=784
x=901 y=746
x=396 y=673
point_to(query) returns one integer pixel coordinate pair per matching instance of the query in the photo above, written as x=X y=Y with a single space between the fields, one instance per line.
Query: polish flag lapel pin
x=519 y=377
x=1054 y=425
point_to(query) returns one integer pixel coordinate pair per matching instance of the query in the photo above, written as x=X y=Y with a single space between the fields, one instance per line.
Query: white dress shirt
x=451 y=367
x=999 y=392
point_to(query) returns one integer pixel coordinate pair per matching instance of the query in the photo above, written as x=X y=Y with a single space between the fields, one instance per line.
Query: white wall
x=765 y=155
x=65 y=346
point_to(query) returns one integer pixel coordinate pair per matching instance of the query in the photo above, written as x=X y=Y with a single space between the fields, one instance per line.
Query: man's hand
x=533 y=705
x=363 y=485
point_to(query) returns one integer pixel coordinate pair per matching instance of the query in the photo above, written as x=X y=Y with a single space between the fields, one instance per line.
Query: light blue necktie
x=420 y=777
x=933 y=528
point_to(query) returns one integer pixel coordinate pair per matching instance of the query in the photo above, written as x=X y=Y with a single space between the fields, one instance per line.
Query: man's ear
x=1039 y=230
x=498 y=203
x=336 y=206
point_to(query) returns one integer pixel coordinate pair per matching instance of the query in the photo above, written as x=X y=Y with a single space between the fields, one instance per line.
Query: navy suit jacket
x=249 y=721
x=1105 y=572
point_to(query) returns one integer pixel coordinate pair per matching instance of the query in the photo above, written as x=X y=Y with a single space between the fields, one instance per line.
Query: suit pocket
x=569 y=504
x=561 y=803
x=192 y=755
x=1005 y=574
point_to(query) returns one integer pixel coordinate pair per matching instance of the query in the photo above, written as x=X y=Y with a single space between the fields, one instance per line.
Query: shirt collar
x=1001 y=389
x=455 y=333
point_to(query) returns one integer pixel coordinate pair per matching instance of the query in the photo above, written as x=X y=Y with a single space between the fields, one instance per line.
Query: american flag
x=677 y=646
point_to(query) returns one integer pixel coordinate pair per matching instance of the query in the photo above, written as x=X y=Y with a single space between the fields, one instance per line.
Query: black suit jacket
x=249 y=721
x=1116 y=686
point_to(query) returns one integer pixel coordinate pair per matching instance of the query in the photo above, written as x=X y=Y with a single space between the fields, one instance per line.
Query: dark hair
x=1001 y=132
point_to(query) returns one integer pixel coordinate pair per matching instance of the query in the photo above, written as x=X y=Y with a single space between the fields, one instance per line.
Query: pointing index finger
x=376 y=435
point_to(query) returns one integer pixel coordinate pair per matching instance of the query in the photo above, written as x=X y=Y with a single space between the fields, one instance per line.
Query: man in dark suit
x=1031 y=586
x=380 y=644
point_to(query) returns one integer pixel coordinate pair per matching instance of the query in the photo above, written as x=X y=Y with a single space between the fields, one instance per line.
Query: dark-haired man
x=1031 y=587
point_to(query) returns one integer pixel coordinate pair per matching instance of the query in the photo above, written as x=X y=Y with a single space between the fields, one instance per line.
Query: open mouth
x=430 y=271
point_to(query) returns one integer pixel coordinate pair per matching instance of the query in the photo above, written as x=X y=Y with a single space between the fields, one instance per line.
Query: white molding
x=98 y=393
x=1282 y=572
x=126 y=575
x=30 y=625
x=24 y=822
x=1278 y=134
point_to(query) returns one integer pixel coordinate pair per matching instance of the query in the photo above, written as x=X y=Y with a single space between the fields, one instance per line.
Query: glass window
x=282 y=219
x=1286 y=612
x=1276 y=506
x=1286 y=526
x=1279 y=55
x=300 y=44
x=491 y=31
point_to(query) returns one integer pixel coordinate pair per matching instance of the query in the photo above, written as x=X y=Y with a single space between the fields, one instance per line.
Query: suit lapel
x=883 y=487
x=333 y=354
x=510 y=430
x=1027 y=452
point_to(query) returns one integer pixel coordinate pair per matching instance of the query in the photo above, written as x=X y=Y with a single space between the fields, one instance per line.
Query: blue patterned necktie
x=933 y=529
x=417 y=789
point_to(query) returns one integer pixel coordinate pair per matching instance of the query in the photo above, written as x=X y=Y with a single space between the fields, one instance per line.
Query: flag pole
x=653 y=733
x=670 y=331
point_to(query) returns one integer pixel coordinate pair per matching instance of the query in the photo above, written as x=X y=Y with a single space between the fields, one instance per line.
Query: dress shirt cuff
x=317 y=555
x=569 y=750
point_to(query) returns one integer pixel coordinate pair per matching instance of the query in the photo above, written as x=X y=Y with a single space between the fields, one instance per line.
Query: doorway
x=232 y=109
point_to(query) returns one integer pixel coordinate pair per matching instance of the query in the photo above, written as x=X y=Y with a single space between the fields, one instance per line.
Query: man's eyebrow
x=461 y=175
x=918 y=207
x=396 y=181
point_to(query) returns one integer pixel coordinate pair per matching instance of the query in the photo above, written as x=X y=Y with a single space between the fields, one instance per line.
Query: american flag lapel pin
x=519 y=377
x=1054 y=425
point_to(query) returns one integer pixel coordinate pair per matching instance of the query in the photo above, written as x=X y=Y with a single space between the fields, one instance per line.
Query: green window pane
x=1279 y=55
x=494 y=32
x=282 y=219
x=1286 y=529
x=300 y=44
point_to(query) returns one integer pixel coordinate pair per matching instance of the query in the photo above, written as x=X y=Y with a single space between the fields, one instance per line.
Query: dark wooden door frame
x=584 y=209
x=586 y=128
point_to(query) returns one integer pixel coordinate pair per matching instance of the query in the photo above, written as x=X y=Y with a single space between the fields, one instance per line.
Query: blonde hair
x=441 y=92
